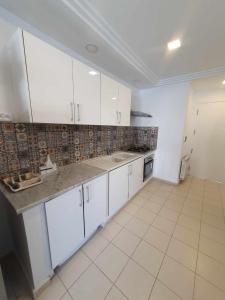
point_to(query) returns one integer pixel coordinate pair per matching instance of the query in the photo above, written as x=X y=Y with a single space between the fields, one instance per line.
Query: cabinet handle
x=88 y=194
x=81 y=199
x=78 y=112
x=71 y=107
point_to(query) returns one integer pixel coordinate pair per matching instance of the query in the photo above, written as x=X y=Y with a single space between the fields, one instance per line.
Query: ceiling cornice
x=192 y=76
x=93 y=19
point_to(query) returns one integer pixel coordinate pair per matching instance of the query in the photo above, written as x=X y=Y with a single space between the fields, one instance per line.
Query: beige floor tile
x=183 y=253
x=137 y=226
x=66 y=297
x=115 y=294
x=92 y=284
x=55 y=290
x=215 y=221
x=148 y=257
x=122 y=218
x=152 y=206
x=178 y=278
x=164 y=225
x=110 y=230
x=157 y=238
x=135 y=282
x=138 y=200
x=131 y=208
x=126 y=241
x=111 y=261
x=206 y=291
x=211 y=270
x=161 y=292
x=210 y=209
x=95 y=246
x=187 y=236
x=145 y=215
x=189 y=223
x=213 y=233
x=212 y=249
x=70 y=272
x=169 y=214
x=158 y=200
x=192 y=211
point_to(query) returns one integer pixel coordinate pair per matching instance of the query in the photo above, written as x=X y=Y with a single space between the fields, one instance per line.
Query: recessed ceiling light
x=114 y=98
x=93 y=73
x=223 y=82
x=91 y=48
x=174 y=44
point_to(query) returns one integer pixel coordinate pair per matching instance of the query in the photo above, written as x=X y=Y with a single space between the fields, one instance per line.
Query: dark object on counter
x=21 y=182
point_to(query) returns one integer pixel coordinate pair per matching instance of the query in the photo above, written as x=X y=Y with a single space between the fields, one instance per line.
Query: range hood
x=140 y=114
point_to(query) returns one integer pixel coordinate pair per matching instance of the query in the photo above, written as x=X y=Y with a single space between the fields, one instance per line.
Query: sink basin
x=123 y=156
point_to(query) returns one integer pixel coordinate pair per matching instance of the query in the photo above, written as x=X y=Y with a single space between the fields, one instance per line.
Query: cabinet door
x=118 y=189
x=50 y=82
x=86 y=94
x=109 y=101
x=65 y=225
x=135 y=176
x=124 y=105
x=95 y=203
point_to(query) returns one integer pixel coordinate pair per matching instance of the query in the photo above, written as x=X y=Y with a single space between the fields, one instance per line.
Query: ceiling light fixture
x=174 y=44
x=223 y=82
x=93 y=73
x=91 y=48
x=114 y=98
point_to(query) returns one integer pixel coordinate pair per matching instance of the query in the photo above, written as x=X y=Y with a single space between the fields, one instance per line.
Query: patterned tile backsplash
x=24 y=147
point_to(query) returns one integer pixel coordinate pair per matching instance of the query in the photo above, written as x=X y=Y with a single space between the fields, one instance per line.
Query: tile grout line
x=165 y=257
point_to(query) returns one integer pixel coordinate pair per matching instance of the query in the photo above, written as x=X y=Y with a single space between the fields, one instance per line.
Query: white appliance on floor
x=184 y=167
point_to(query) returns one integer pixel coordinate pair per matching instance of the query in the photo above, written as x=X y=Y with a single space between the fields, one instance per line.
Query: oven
x=148 y=166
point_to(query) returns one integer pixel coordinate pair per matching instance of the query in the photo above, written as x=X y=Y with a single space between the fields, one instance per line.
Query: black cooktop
x=139 y=149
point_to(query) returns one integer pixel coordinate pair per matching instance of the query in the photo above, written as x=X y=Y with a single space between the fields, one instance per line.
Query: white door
x=118 y=189
x=109 y=101
x=86 y=94
x=124 y=105
x=136 y=169
x=95 y=203
x=65 y=225
x=208 y=143
x=50 y=82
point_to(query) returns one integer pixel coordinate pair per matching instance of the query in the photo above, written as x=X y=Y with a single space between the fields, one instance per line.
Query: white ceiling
x=6 y=31
x=132 y=35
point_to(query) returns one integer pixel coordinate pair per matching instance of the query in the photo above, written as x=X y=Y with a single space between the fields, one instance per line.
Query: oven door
x=148 y=168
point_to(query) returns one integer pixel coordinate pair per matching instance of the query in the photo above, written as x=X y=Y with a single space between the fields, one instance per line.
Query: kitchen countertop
x=61 y=181
x=65 y=179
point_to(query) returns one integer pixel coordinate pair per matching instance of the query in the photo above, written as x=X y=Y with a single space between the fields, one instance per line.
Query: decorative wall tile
x=24 y=147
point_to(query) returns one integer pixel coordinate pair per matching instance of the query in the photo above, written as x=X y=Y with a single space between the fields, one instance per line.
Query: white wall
x=208 y=144
x=168 y=106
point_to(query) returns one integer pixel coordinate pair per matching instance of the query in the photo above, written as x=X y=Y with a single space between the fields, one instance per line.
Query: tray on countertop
x=22 y=182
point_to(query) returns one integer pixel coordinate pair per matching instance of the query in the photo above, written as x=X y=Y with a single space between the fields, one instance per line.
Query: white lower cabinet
x=118 y=189
x=65 y=224
x=95 y=203
x=136 y=169
x=124 y=183
x=74 y=216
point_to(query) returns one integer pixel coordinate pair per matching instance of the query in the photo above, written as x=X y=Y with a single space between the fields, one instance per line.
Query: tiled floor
x=168 y=243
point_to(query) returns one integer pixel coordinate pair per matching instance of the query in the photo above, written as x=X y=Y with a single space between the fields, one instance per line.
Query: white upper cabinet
x=50 y=80
x=109 y=99
x=86 y=94
x=115 y=103
x=49 y=86
x=124 y=105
